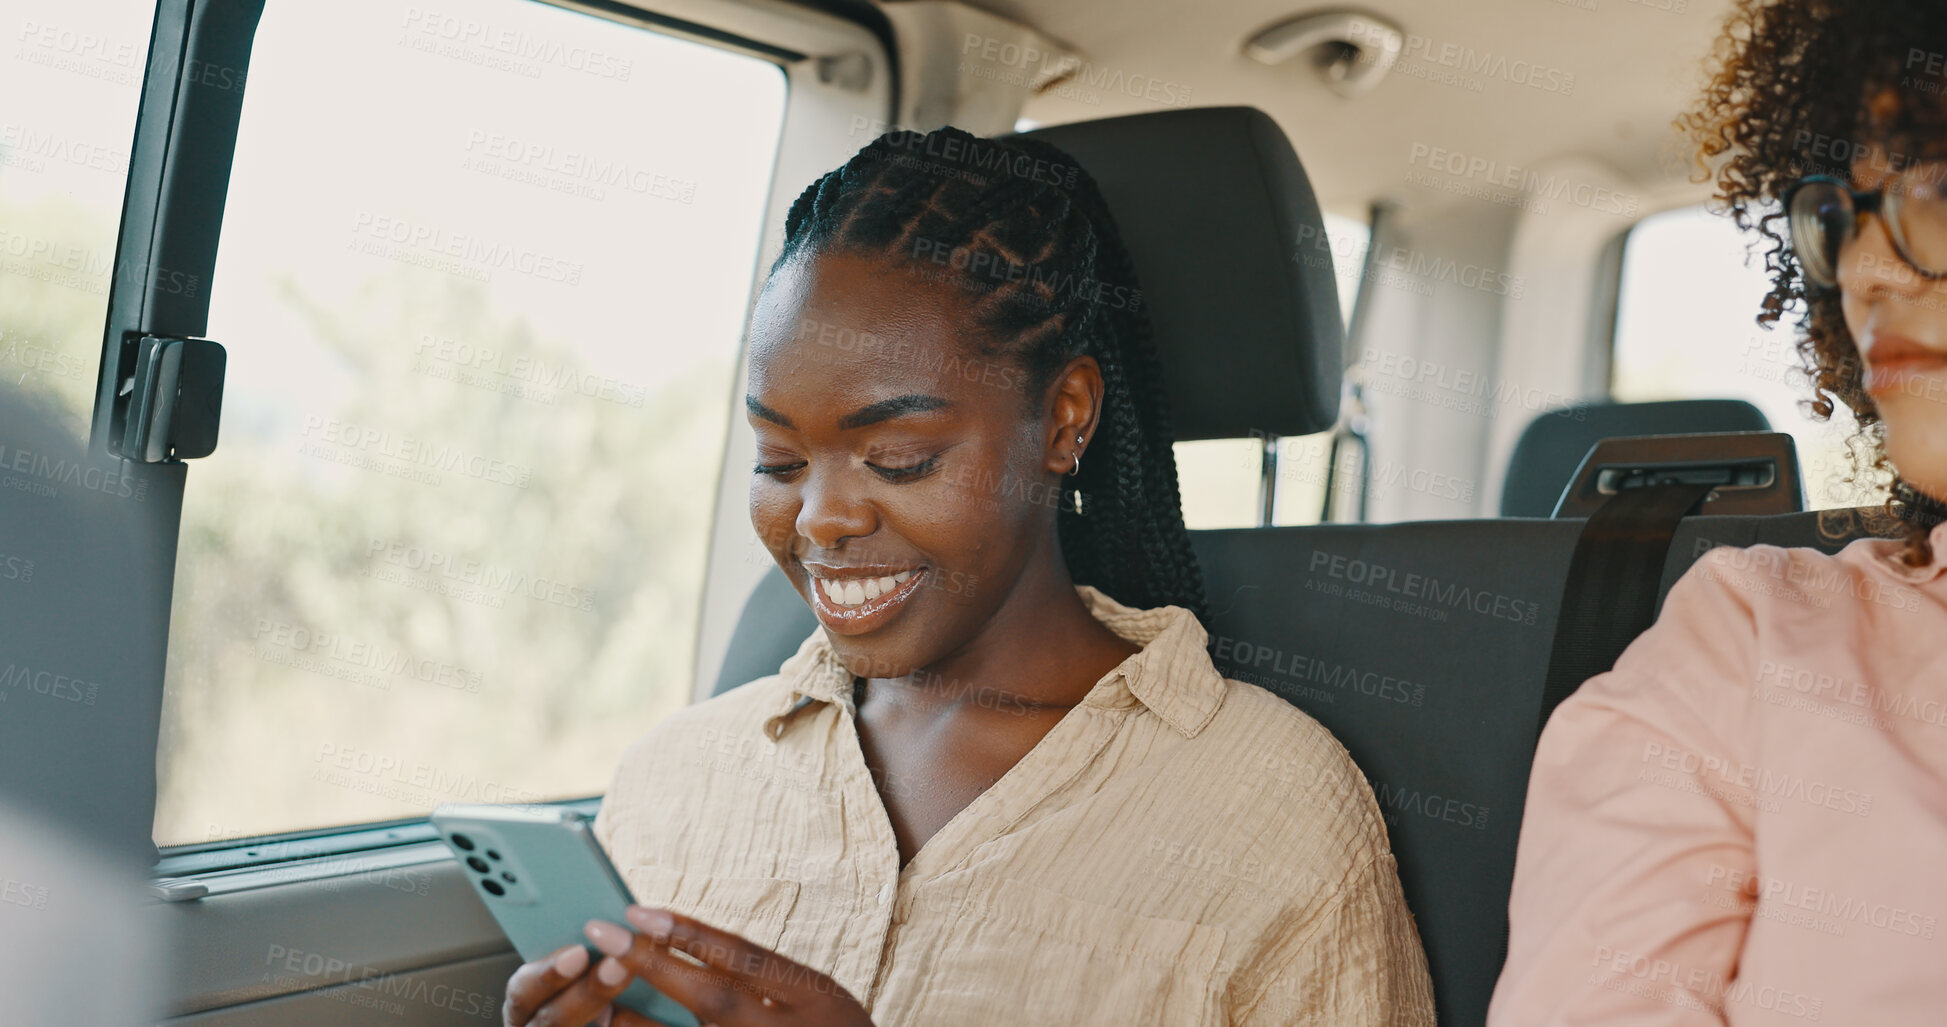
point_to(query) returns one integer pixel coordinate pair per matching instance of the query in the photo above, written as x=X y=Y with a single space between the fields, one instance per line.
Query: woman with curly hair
x=1003 y=779
x=1746 y=820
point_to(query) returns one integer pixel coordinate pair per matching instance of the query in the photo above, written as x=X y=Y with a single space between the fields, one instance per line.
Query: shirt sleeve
x=1639 y=810
x=1358 y=962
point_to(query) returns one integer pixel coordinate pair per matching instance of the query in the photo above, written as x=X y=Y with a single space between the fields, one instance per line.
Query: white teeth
x=861 y=590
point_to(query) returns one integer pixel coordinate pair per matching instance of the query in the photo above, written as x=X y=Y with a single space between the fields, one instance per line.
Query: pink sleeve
x=1636 y=812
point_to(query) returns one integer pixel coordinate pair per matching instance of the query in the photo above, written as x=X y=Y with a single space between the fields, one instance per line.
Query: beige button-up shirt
x=1179 y=849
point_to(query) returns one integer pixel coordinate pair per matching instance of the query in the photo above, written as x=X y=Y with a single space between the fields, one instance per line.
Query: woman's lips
x=1898 y=366
x=857 y=604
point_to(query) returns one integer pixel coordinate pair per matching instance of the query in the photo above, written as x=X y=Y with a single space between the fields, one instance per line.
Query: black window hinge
x=169 y=399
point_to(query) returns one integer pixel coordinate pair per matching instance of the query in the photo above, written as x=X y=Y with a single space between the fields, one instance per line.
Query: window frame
x=172 y=215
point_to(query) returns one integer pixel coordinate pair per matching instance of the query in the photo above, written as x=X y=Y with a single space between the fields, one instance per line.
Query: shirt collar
x=1171 y=675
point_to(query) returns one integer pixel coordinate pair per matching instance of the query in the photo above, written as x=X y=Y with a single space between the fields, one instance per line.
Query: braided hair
x=1020 y=226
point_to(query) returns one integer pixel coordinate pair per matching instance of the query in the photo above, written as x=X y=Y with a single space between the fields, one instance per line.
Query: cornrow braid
x=1018 y=224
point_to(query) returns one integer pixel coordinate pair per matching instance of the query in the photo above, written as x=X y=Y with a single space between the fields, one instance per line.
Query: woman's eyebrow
x=760 y=410
x=885 y=409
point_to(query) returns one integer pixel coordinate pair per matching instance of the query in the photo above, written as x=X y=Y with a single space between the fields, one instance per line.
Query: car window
x=63 y=168
x=481 y=337
x=1685 y=329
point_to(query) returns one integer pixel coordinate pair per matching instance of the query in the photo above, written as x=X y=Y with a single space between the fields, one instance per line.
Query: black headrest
x=1229 y=247
x=1553 y=445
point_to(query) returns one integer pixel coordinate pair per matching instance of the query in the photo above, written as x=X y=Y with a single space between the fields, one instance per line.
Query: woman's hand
x=723 y=979
x=558 y=991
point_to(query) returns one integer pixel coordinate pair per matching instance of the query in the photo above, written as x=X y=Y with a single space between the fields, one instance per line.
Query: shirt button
x=885 y=895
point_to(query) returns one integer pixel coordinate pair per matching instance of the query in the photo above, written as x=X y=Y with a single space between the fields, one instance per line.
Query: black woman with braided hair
x=1003 y=777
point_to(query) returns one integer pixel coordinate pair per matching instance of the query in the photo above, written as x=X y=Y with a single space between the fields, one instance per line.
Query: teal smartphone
x=543 y=875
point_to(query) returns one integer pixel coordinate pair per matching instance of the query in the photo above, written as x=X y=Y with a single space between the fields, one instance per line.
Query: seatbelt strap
x=1614 y=577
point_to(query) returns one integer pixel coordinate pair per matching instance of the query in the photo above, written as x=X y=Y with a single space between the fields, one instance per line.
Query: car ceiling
x=1636 y=66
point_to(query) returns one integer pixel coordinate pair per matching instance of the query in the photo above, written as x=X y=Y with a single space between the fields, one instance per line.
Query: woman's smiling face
x=903 y=480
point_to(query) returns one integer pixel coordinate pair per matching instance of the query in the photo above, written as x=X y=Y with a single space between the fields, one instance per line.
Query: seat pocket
x=752 y=907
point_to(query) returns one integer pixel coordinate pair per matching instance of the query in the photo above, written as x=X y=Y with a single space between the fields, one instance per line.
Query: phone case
x=542 y=875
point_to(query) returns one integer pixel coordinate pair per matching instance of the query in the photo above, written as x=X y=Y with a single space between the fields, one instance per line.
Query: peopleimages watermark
x=1801 y=578
x=83 y=268
x=1272 y=665
x=22 y=894
x=468 y=39
x=1030 y=67
x=371 y=987
x=46 y=360
x=39 y=474
x=488 y=579
x=457 y=253
x=1839 y=697
x=946 y=362
x=78 y=52
x=568 y=171
x=1522 y=181
x=1420 y=270
x=336 y=654
x=377 y=773
x=16 y=568
x=1457 y=64
x=1843 y=155
x=1754 y=786
x=523 y=375
x=980 y=157
x=429 y=459
x=1442 y=385
x=24 y=679
x=1408 y=589
x=30 y=149
x=1700 y=989
x=984 y=267
x=1819 y=909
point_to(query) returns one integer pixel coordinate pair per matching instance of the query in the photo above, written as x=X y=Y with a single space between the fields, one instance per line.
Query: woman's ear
x=1074 y=410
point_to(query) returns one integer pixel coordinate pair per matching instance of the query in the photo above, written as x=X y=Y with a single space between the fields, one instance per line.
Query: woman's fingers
x=587 y=999
x=726 y=989
x=535 y=983
x=721 y=977
x=561 y=990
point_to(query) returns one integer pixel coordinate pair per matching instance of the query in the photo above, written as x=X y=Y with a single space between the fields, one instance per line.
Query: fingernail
x=609 y=938
x=610 y=972
x=651 y=921
x=572 y=962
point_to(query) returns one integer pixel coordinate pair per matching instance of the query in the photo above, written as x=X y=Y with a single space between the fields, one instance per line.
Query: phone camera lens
x=463 y=842
x=492 y=855
x=505 y=876
x=493 y=887
x=478 y=864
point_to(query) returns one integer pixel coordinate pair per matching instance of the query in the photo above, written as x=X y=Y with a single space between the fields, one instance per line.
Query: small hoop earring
x=1077 y=469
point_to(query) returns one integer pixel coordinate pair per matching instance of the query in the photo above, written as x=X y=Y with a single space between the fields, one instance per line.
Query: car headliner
x=1636 y=64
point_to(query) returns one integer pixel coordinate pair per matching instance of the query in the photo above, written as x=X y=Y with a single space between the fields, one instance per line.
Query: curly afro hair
x=1806 y=87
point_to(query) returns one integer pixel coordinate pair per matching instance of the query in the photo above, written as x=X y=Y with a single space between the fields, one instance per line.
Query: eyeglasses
x=1823 y=215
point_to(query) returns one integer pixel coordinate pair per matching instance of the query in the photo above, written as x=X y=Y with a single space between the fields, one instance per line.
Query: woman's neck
x=1042 y=647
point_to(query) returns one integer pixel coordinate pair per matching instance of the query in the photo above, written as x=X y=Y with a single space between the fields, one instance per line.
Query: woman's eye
x=777 y=470
x=906 y=473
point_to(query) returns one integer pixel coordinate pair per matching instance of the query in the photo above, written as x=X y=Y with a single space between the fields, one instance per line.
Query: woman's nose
x=833 y=509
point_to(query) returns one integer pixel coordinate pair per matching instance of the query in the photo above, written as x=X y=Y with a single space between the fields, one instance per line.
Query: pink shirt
x=1746 y=821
